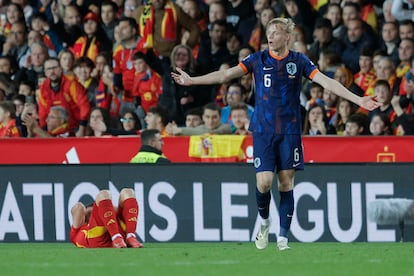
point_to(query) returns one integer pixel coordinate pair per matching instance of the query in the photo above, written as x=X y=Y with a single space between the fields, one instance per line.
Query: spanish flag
x=216 y=148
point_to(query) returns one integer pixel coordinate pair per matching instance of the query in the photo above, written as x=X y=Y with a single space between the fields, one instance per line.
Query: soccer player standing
x=276 y=121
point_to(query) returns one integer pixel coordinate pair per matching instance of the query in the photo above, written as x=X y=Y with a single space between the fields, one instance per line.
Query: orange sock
x=108 y=216
x=130 y=214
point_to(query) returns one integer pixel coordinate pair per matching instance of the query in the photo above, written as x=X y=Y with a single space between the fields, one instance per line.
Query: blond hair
x=286 y=24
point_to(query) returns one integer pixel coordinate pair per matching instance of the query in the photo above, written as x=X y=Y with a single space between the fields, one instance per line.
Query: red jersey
x=9 y=130
x=94 y=234
x=123 y=64
x=147 y=86
x=71 y=95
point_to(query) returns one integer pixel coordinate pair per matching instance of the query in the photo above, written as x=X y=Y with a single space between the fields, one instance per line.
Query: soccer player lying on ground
x=102 y=225
x=276 y=121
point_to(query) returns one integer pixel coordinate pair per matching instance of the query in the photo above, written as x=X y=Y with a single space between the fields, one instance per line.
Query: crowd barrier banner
x=105 y=150
x=203 y=202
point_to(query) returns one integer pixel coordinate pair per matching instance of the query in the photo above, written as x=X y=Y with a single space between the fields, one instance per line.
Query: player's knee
x=78 y=208
x=264 y=186
x=103 y=195
x=127 y=193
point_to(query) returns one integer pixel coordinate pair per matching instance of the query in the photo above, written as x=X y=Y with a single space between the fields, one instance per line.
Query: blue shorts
x=277 y=152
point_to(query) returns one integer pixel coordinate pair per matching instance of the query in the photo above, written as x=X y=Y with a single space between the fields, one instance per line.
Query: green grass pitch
x=209 y=259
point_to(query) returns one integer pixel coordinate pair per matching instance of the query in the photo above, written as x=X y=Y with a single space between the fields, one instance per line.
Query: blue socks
x=263 y=201
x=286 y=207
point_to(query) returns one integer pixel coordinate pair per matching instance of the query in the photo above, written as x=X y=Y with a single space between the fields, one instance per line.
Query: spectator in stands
x=130 y=122
x=316 y=93
x=66 y=61
x=98 y=116
x=344 y=109
x=192 y=9
x=8 y=126
x=316 y=121
x=330 y=100
x=34 y=68
x=102 y=59
x=14 y=13
x=157 y=118
x=108 y=16
x=56 y=124
x=93 y=41
x=33 y=37
x=407 y=84
x=164 y=34
x=27 y=89
x=383 y=94
x=193 y=117
x=40 y=24
x=345 y=77
x=379 y=125
x=16 y=44
x=235 y=94
x=406 y=29
x=387 y=15
x=233 y=43
x=68 y=29
x=377 y=56
x=389 y=39
x=240 y=119
x=7 y=66
x=403 y=13
x=124 y=72
x=356 y=125
x=177 y=98
x=324 y=40
x=147 y=87
x=328 y=62
x=8 y=86
x=367 y=72
x=356 y=39
x=130 y=6
x=334 y=14
x=303 y=15
x=385 y=71
x=405 y=53
x=151 y=148
x=241 y=16
x=59 y=90
x=404 y=121
x=258 y=35
x=82 y=68
x=214 y=52
x=212 y=124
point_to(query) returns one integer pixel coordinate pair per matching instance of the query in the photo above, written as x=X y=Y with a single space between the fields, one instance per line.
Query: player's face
x=211 y=119
x=277 y=37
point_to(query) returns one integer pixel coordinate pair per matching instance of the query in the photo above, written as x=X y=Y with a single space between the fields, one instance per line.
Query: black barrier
x=203 y=202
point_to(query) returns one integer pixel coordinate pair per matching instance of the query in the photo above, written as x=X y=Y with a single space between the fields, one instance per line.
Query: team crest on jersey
x=291 y=69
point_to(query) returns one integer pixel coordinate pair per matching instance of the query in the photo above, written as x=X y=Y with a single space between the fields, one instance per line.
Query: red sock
x=108 y=216
x=130 y=214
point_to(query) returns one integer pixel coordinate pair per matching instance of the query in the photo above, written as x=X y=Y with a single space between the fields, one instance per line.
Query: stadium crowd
x=98 y=68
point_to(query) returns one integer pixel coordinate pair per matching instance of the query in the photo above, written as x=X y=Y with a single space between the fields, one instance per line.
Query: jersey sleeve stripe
x=313 y=73
x=243 y=67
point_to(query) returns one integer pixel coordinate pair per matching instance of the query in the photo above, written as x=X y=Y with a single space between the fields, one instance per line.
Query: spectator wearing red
x=8 y=126
x=147 y=86
x=94 y=39
x=366 y=73
x=59 y=90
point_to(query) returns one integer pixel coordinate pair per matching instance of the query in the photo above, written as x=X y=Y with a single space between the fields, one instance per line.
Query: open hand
x=369 y=103
x=182 y=78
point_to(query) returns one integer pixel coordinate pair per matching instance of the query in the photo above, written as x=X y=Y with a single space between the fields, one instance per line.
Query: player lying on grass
x=103 y=225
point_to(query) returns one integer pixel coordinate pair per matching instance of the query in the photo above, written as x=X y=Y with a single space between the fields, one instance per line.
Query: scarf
x=168 y=24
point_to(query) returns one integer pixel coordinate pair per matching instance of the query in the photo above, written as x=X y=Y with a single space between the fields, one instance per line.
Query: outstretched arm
x=221 y=76
x=337 y=88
